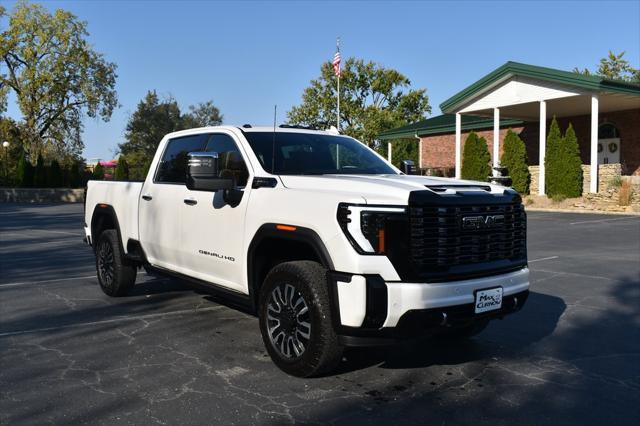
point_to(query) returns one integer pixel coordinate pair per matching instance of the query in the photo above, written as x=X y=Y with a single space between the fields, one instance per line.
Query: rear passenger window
x=173 y=165
x=231 y=163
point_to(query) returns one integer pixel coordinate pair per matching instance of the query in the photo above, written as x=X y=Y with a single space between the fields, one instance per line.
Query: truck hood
x=383 y=189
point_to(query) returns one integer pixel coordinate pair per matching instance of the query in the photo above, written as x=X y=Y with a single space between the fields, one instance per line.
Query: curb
x=601 y=212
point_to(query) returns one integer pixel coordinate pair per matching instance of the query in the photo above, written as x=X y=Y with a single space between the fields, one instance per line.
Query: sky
x=249 y=56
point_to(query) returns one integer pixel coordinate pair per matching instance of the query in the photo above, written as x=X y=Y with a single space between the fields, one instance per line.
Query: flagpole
x=338 y=114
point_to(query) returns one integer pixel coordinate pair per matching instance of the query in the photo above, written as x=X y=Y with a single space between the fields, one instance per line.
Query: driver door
x=213 y=222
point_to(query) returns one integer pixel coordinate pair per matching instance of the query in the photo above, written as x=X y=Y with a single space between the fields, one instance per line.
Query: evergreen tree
x=55 y=175
x=476 y=158
x=514 y=158
x=25 y=172
x=75 y=174
x=122 y=170
x=570 y=176
x=40 y=174
x=98 y=172
x=552 y=164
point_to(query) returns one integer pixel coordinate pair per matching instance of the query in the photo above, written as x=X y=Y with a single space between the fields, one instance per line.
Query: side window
x=231 y=163
x=173 y=165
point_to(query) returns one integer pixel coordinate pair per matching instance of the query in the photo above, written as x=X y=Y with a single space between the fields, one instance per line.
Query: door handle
x=147 y=197
x=190 y=201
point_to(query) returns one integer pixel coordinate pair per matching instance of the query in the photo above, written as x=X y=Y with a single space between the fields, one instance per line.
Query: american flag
x=336 y=63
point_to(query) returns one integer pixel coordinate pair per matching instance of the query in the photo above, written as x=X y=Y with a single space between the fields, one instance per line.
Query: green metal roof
x=445 y=123
x=510 y=69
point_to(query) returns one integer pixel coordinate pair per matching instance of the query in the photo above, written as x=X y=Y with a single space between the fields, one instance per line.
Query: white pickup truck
x=329 y=244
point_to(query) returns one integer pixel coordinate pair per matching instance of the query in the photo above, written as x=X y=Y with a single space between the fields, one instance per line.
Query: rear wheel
x=295 y=319
x=116 y=275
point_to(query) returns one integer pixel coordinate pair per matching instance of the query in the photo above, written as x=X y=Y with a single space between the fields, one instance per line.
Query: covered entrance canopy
x=532 y=93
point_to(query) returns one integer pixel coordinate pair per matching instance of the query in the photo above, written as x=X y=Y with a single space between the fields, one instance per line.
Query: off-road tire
x=116 y=274
x=322 y=352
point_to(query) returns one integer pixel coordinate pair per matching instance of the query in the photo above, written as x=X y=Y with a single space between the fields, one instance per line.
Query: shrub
x=40 y=173
x=476 y=158
x=625 y=193
x=514 y=158
x=563 y=166
x=551 y=158
x=55 y=175
x=570 y=183
x=122 y=170
x=25 y=172
x=98 y=172
x=615 y=182
x=75 y=174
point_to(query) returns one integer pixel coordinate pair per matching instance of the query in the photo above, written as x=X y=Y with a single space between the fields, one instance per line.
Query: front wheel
x=295 y=319
x=116 y=275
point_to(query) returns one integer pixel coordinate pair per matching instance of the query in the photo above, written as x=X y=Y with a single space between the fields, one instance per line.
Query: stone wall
x=606 y=174
x=41 y=195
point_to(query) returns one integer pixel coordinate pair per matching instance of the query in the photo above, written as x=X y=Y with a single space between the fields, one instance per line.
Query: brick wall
x=439 y=151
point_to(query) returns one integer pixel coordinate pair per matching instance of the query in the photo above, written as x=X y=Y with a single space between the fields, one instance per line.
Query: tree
x=122 y=169
x=514 y=158
x=568 y=174
x=401 y=149
x=476 y=158
x=614 y=67
x=98 y=172
x=40 y=173
x=149 y=123
x=552 y=165
x=202 y=115
x=55 y=75
x=372 y=99
x=24 y=172
x=75 y=174
x=55 y=175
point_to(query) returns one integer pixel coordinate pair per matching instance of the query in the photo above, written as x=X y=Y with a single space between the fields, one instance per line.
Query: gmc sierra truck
x=328 y=243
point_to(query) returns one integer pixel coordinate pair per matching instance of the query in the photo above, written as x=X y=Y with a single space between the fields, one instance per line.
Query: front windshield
x=314 y=154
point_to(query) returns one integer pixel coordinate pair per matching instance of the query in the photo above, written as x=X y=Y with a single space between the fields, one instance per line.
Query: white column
x=389 y=151
x=543 y=145
x=420 y=154
x=496 y=139
x=593 y=184
x=458 y=145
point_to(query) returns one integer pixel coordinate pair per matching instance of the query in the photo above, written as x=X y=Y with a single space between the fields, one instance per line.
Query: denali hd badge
x=482 y=222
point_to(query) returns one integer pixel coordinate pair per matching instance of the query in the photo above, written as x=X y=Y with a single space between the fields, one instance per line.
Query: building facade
x=604 y=113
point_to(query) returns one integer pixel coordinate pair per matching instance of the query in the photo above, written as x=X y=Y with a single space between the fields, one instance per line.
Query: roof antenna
x=273 y=145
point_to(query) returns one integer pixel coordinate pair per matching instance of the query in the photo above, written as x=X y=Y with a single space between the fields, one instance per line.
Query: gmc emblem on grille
x=482 y=222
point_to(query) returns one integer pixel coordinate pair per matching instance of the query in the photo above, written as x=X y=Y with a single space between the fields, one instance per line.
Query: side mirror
x=407 y=167
x=203 y=171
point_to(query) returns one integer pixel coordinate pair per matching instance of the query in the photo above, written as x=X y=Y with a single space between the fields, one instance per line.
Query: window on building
x=608 y=131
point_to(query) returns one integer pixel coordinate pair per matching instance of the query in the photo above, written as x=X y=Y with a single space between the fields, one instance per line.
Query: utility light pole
x=5 y=145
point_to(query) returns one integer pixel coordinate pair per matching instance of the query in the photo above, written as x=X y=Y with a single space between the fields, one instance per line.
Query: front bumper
x=367 y=309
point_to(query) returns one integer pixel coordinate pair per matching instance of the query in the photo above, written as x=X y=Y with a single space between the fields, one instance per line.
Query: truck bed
x=123 y=197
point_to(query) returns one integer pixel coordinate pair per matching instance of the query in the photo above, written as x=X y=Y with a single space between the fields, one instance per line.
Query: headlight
x=369 y=228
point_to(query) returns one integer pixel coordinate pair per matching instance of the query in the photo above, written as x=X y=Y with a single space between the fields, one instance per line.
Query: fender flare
x=301 y=234
x=102 y=209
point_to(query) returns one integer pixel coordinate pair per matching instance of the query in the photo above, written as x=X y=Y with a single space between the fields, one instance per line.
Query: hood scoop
x=460 y=187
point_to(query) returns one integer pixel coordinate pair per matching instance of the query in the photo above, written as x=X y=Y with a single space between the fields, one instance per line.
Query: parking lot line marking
x=109 y=321
x=18 y=231
x=544 y=258
x=603 y=220
x=53 y=281
x=47 y=281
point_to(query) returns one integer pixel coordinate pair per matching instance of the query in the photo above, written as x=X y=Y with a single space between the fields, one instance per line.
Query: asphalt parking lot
x=171 y=355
